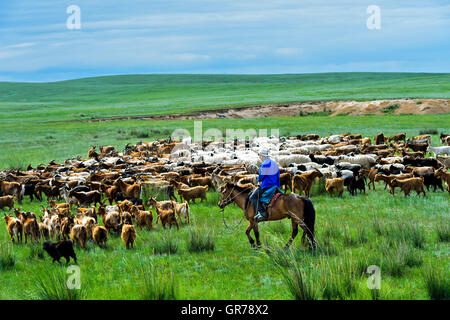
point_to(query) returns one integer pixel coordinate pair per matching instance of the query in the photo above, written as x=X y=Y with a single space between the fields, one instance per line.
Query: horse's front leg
x=247 y=232
x=256 y=232
x=294 y=233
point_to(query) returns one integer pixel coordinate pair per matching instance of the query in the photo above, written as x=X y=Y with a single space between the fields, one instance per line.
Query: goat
x=128 y=235
x=7 y=201
x=78 y=233
x=167 y=216
x=60 y=249
x=303 y=182
x=335 y=184
x=143 y=218
x=100 y=235
x=444 y=175
x=15 y=228
x=193 y=193
x=410 y=184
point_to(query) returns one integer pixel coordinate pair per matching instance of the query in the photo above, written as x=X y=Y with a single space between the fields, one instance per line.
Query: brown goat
x=193 y=193
x=6 y=201
x=143 y=218
x=444 y=175
x=12 y=189
x=79 y=234
x=31 y=228
x=15 y=228
x=128 y=235
x=100 y=235
x=335 y=184
x=303 y=182
x=167 y=216
x=409 y=184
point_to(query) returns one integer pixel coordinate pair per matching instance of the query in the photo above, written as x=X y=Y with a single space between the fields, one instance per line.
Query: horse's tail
x=309 y=219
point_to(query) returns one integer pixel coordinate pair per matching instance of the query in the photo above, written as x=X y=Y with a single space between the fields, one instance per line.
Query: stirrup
x=258 y=217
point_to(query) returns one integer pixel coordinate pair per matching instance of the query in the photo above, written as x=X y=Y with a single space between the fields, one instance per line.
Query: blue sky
x=220 y=36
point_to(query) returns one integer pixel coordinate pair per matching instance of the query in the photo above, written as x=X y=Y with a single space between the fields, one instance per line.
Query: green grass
x=406 y=237
x=40 y=121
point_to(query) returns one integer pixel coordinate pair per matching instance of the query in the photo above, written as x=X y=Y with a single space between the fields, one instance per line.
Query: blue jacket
x=269 y=174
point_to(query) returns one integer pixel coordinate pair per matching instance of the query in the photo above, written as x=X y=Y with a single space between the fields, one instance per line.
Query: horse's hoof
x=253 y=246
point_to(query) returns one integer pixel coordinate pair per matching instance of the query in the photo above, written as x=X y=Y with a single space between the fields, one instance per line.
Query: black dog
x=60 y=249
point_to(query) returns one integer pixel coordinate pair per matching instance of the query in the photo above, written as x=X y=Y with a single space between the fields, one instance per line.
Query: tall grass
x=50 y=283
x=443 y=231
x=166 y=244
x=437 y=282
x=7 y=256
x=339 y=278
x=301 y=283
x=157 y=284
x=199 y=240
x=396 y=260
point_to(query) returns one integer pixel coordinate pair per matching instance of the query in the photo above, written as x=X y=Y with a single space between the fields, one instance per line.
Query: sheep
x=410 y=184
x=285 y=161
x=7 y=201
x=335 y=184
x=128 y=235
x=60 y=249
x=364 y=160
x=100 y=235
x=78 y=233
x=439 y=150
x=15 y=228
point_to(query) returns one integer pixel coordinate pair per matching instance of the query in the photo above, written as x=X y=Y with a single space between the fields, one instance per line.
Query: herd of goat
x=122 y=178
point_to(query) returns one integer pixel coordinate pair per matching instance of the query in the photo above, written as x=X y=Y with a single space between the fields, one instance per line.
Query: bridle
x=228 y=200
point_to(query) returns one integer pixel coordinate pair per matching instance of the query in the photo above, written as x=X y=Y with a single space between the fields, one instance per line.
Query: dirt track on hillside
x=332 y=108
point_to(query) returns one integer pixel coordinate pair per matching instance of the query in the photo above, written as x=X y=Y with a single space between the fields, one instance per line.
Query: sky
x=220 y=37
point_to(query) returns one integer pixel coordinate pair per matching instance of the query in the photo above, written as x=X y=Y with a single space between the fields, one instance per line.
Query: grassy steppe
x=42 y=142
x=112 y=96
x=408 y=238
x=353 y=233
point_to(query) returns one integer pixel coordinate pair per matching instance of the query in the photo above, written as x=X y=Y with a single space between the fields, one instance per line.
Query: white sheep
x=366 y=161
x=439 y=150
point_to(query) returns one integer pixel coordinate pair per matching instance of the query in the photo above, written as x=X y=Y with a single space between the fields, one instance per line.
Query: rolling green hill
x=162 y=94
x=31 y=114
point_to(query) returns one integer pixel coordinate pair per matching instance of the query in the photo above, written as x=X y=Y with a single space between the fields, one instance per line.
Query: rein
x=223 y=211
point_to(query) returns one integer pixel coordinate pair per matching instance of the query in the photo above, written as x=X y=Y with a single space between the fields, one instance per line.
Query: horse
x=292 y=206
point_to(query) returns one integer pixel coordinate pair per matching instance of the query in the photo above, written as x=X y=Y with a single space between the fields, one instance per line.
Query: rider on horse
x=269 y=177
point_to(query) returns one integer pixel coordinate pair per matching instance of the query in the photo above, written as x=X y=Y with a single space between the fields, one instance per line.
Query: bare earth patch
x=333 y=108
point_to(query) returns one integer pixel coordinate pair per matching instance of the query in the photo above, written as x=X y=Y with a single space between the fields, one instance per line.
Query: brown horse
x=299 y=209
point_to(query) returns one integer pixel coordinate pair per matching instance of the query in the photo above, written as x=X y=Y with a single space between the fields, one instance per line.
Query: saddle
x=274 y=199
